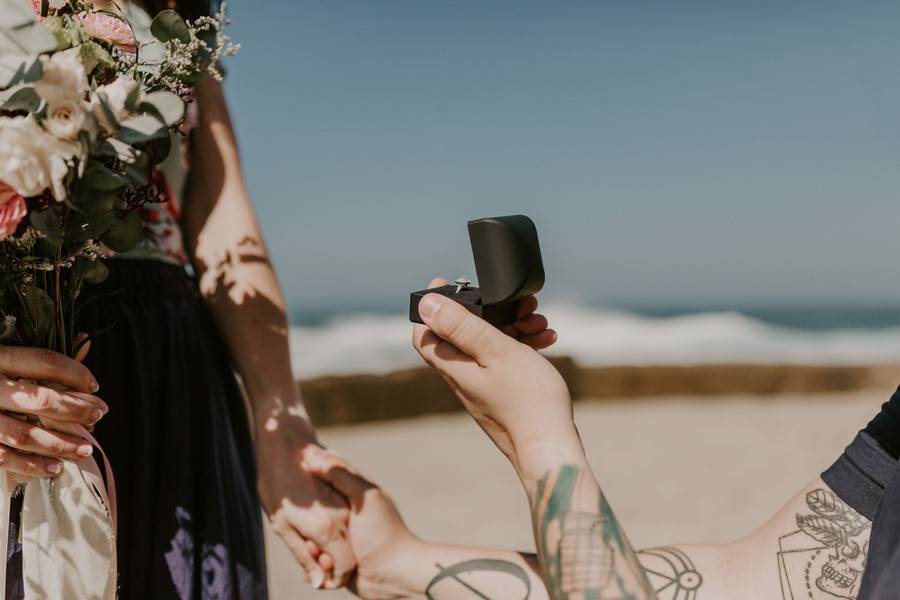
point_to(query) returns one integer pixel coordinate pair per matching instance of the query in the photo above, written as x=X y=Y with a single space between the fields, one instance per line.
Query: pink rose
x=12 y=210
x=109 y=29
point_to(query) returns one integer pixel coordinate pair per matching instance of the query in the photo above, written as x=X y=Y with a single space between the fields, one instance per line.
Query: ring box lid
x=507 y=258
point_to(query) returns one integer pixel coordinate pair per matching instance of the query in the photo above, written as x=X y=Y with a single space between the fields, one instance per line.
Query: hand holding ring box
x=509 y=267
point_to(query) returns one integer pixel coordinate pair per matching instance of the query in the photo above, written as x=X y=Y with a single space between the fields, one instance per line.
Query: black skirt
x=177 y=434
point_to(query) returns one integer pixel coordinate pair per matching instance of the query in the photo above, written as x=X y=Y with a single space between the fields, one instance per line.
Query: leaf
x=64 y=30
x=24 y=99
x=126 y=235
x=824 y=531
x=22 y=40
x=168 y=107
x=40 y=309
x=94 y=271
x=826 y=504
x=168 y=25
x=47 y=222
x=104 y=179
x=92 y=55
x=142 y=128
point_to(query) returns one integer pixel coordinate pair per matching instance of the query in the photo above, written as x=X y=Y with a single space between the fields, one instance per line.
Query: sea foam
x=366 y=343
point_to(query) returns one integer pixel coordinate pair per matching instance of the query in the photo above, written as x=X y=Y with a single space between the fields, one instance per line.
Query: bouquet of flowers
x=86 y=114
x=88 y=110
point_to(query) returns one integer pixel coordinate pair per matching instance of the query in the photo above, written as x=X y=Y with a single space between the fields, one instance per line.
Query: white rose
x=114 y=95
x=65 y=119
x=63 y=79
x=31 y=160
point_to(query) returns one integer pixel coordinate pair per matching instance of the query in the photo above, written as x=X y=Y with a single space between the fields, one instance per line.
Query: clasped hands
x=511 y=391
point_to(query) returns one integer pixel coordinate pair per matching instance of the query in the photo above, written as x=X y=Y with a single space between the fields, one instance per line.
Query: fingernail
x=317 y=578
x=429 y=306
x=54 y=468
x=96 y=415
x=95 y=387
x=85 y=450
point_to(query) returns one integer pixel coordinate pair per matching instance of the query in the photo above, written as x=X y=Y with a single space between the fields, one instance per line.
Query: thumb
x=338 y=473
x=470 y=334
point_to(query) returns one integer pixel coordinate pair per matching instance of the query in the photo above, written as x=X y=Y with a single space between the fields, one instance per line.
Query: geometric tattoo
x=585 y=554
x=465 y=575
x=671 y=572
x=825 y=558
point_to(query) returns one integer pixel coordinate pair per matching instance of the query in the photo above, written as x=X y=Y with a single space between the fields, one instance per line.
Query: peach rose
x=12 y=210
x=109 y=29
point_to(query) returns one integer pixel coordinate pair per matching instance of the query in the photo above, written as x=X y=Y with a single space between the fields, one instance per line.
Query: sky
x=669 y=152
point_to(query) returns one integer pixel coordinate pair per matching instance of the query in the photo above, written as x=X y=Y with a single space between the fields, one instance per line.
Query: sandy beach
x=675 y=468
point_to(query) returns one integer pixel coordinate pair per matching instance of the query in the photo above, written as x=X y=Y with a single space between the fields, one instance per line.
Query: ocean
x=378 y=341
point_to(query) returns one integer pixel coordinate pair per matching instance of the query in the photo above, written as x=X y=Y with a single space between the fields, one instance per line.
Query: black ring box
x=509 y=267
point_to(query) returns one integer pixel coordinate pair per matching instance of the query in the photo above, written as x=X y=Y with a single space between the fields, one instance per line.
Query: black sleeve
x=885 y=427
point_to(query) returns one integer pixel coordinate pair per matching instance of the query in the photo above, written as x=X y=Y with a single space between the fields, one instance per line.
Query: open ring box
x=509 y=267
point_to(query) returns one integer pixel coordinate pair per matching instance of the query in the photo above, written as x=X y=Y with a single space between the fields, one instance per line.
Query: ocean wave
x=365 y=343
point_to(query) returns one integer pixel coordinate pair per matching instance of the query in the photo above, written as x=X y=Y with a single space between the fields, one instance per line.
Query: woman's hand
x=384 y=547
x=65 y=395
x=304 y=511
x=513 y=392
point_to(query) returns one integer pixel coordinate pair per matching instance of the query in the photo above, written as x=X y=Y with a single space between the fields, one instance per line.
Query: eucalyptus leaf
x=22 y=40
x=83 y=227
x=126 y=235
x=47 y=222
x=40 y=310
x=141 y=128
x=99 y=177
x=23 y=99
x=168 y=25
x=168 y=106
x=94 y=271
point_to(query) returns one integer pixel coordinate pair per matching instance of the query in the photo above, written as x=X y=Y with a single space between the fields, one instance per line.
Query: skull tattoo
x=846 y=535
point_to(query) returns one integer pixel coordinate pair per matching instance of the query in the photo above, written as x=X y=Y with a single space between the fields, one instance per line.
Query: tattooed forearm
x=478 y=579
x=584 y=551
x=825 y=558
x=671 y=573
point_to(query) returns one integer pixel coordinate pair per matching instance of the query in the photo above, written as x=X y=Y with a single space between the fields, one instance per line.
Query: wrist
x=534 y=460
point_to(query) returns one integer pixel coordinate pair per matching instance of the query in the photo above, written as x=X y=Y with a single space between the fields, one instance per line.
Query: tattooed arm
x=523 y=404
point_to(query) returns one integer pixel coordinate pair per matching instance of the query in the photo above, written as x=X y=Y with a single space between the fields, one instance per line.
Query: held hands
x=307 y=513
x=65 y=396
x=511 y=391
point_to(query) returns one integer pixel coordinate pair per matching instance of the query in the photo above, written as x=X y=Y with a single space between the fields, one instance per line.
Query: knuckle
x=42 y=398
x=19 y=436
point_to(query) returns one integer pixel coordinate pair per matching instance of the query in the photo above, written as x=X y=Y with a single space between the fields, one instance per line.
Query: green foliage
x=93 y=55
x=24 y=99
x=66 y=31
x=48 y=222
x=40 y=313
x=126 y=235
x=168 y=25
x=165 y=106
x=22 y=40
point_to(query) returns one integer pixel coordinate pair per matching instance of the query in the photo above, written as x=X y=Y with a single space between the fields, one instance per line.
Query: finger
x=26 y=437
x=82 y=338
x=453 y=323
x=446 y=358
x=338 y=473
x=344 y=563
x=44 y=401
x=300 y=550
x=46 y=365
x=532 y=324
x=28 y=464
x=437 y=282
x=527 y=305
x=540 y=341
x=325 y=561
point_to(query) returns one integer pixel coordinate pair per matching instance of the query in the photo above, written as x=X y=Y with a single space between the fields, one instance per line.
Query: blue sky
x=670 y=152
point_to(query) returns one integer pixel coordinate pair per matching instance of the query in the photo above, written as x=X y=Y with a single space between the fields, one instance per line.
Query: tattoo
x=671 y=573
x=825 y=558
x=585 y=554
x=503 y=575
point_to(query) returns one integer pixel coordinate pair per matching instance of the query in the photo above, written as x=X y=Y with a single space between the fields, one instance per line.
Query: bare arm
x=241 y=288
